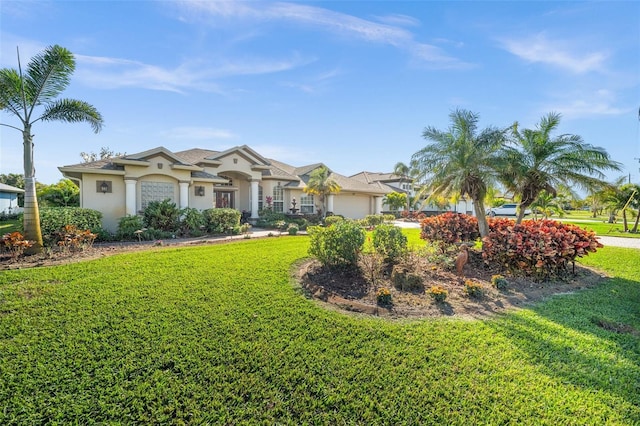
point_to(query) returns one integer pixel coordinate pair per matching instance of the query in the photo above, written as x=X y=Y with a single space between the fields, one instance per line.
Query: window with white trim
x=307 y=204
x=278 y=199
x=260 y=199
x=156 y=191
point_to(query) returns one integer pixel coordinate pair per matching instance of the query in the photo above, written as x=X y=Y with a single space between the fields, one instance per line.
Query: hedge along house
x=237 y=178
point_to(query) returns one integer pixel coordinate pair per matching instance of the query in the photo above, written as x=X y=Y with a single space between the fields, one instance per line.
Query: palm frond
x=48 y=74
x=73 y=111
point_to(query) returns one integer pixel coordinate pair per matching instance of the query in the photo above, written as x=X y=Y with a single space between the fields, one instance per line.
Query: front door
x=224 y=199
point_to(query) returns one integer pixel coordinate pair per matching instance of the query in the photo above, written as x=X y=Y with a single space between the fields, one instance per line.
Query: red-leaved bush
x=450 y=228
x=15 y=244
x=413 y=215
x=541 y=248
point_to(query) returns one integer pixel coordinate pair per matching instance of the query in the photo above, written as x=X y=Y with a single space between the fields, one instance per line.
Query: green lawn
x=7 y=226
x=219 y=334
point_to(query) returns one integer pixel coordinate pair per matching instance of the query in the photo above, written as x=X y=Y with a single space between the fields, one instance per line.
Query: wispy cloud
x=390 y=32
x=399 y=19
x=584 y=105
x=562 y=54
x=198 y=133
x=113 y=73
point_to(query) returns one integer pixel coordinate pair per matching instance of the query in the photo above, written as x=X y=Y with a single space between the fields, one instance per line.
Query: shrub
x=541 y=248
x=337 y=245
x=192 y=222
x=269 y=219
x=54 y=219
x=438 y=293
x=332 y=220
x=244 y=228
x=162 y=215
x=450 y=228
x=222 y=221
x=70 y=238
x=403 y=278
x=388 y=217
x=383 y=296
x=373 y=220
x=473 y=289
x=390 y=242
x=499 y=282
x=413 y=215
x=15 y=244
x=292 y=229
x=132 y=228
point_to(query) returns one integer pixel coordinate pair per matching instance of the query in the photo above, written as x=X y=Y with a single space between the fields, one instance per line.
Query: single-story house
x=9 y=199
x=406 y=185
x=238 y=178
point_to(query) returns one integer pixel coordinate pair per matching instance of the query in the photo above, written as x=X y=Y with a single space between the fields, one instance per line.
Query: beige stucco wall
x=353 y=205
x=111 y=204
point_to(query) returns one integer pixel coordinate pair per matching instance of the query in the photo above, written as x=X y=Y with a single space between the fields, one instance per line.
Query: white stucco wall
x=354 y=206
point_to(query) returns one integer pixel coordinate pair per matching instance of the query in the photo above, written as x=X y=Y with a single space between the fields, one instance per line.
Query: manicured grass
x=606 y=229
x=219 y=334
x=9 y=225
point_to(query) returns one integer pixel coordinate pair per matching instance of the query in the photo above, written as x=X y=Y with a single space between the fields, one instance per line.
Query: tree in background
x=62 y=194
x=547 y=205
x=395 y=200
x=461 y=161
x=322 y=184
x=105 y=152
x=538 y=161
x=47 y=76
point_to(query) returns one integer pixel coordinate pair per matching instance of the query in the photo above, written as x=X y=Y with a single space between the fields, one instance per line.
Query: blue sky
x=351 y=84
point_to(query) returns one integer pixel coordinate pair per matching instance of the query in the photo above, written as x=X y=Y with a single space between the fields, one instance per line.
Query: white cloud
x=113 y=73
x=540 y=49
x=399 y=19
x=335 y=22
x=198 y=133
x=600 y=102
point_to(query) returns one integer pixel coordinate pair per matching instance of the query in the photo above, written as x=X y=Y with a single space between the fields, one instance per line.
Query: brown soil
x=350 y=290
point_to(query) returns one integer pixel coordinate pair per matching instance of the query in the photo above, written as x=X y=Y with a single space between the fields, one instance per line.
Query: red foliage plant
x=450 y=228
x=413 y=215
x=542 y=248
x=15 y=244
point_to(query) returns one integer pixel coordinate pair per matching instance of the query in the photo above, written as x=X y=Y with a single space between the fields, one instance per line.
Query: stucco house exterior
x=238 y=178
x=9 y=199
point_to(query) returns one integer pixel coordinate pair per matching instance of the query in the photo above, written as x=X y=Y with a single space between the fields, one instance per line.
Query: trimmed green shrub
x=389 y=241
x=406 y=279
x=332 y=220
x=292 y=229
x=192 y=222
x=127 y=227
x=373 y=220
x=162 y=215
x=222 y=221
x=269 y=219
x=54 y=219
x=337 y=245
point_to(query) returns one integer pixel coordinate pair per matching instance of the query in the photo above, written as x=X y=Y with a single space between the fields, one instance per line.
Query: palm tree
x=539 y=161
x=460 y=161
x=322 y=184
x=47 y=76
x=621 y=198
x=404 y=172
x=547 y=205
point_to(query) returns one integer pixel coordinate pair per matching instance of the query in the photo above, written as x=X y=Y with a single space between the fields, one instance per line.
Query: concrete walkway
x=607 y=241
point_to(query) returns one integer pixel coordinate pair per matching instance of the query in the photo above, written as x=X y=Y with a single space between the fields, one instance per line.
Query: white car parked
x=505 y=210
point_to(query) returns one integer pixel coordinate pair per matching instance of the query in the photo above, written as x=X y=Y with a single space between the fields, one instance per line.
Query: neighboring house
x=238 y=178
x=9 y=199
x=406 y=185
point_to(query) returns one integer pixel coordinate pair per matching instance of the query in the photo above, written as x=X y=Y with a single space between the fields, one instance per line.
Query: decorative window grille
x=260 y=198
x=278 y=199
x=307 y=204
x=230 y=183
x=156 y=191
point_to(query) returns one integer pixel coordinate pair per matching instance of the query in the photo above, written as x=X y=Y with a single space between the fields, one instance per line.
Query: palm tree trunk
x=483 y=225
x=31 y=216
x=635 y=225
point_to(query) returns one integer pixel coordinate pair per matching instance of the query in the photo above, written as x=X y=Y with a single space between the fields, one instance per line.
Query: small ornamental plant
x=473 y=289
x=499 y=282
x=15 y=244
x=293 y=229
x=383 y=296
x=438 y=293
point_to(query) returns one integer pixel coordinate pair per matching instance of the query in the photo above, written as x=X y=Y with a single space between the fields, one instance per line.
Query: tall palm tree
x=47 y=76
x=460 y=161
x=538 y=161
x=403 y=171
x=322 y=184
